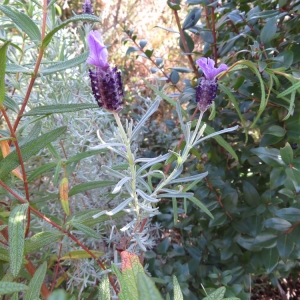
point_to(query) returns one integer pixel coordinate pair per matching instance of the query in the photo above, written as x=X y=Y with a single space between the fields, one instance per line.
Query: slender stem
x=185 y=45
x=214 y=33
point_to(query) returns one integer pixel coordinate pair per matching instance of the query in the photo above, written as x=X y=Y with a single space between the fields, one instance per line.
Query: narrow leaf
x=67 y=64
x=16 y=230
x=79 y=254
x=3 y=50
x=104 y=289
x=177 y=291
x=201 y=206
x=83 y=17
x=59 y=109
x=87 y=230
x=11 y=287
x=80 y=188
x=11 y=161
x=36 y=282
x=40 y=240
x=23 y=22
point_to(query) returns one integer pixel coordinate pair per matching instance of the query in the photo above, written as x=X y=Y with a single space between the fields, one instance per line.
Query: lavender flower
x=106 y=81
x=206 y=91
x=87 y=7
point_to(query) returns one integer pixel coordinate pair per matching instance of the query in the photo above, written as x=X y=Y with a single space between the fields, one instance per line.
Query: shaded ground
x=289 y=289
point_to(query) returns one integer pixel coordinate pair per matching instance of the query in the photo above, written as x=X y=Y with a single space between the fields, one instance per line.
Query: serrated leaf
x=67 y=64
x=16 y=231
x=177 y=291
x=59 y=108
x=104 y=288
x=11 y=161
x=3 y=50
x=83 y=17
x=11 y=287
x=87 y=230
x=79 y=254
x=23 y=22
x=146 y=288
x=40 y=240
x=35 y=284
x=82 y=187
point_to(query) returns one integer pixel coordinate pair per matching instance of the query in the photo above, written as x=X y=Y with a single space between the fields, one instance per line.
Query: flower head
x=98 y=52
x=207 y=66
x=206 y=91
x=87 y=7
x=106 y=82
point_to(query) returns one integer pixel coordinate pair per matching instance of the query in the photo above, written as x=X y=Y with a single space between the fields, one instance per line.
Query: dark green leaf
x=82 y=187
x=287 y=154
x=270 y=156
x=192 y=18
x=291 y=214
x=285 y=245
x=269 y=30
x=251 y=195
x=189 y=42
x=278 y=224
x=270 y=258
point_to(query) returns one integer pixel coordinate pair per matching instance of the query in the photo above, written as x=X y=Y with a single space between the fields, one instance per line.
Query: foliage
x=78 y=188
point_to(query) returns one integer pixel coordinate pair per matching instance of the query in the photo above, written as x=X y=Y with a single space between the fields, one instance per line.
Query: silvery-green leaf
x=183 y=126
x=149 y=164
x=144 y=183
x=154 y=172
x=147 y=208
x=120 y=184
x=147 y=197
x=106 y=145
x=217 y=133
x=112 y=172
x=145 y=160
x=145 y=117
x=178 y=195
x=119 y=207
x=189 y=178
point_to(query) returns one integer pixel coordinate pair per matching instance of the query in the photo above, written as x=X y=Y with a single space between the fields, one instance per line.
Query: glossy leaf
x=285 y=245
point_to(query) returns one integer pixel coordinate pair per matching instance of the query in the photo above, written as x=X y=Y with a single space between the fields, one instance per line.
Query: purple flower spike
x=87 y=7
x=207 y=66
x=206 y=91
x=106 y=82
x=98 y=52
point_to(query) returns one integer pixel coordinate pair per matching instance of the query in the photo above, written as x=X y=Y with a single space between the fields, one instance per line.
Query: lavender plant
x=80 y=194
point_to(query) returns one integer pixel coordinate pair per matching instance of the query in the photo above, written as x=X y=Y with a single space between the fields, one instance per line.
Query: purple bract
x=207 y=65
x=106 y=82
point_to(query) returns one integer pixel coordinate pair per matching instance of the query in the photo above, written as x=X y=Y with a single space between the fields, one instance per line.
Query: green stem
x=131 y=162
